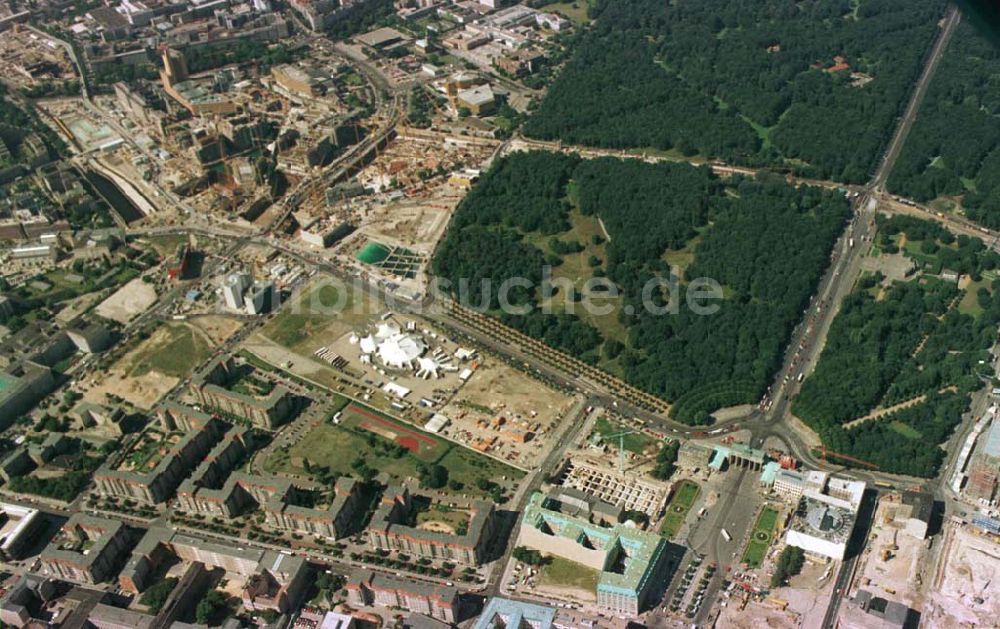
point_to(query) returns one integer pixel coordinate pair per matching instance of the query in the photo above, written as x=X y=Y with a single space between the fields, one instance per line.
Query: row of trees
x=747 y=83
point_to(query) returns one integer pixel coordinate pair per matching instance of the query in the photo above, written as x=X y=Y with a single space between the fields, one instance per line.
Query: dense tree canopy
x=789 y=564
x=954 y=146
x=757 y=83
x=905 y=442
x=905 y=342
x=764 y=242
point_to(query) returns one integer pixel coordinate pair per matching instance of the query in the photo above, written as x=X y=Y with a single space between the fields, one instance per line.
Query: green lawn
x=337 y=447
x=760 y=539
x=176 y=355
x=678 y=507
x=682 y=258
x=468 y=467
x=575 y=12
x=576 y=269
x=636 y=442
x=324 y=311
x=970 y=300
x=905 y=429
x=565 y=573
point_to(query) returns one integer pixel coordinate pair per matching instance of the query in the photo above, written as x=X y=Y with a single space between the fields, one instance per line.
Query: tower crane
x=621 y=447
x=844 y=457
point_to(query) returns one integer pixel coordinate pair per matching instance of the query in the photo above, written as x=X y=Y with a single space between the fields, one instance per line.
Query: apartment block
x=214 y=390
x=158 y=484
x=87 y=549
x=365 y=588
x=387 y=531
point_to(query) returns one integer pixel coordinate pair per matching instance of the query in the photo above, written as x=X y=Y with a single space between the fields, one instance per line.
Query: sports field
x=420 y=444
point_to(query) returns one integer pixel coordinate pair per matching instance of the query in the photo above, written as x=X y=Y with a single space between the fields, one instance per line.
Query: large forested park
x=915 y=346
x=953 y=150
x=808 y=87
x=629 y=222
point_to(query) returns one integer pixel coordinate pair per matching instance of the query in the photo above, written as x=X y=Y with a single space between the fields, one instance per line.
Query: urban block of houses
x=158 y=484
x=87 y=549
x=213 y=388
x=366 y=588
x=272 y=580
x=387 y=531
x=277 y=498
x=21 y=389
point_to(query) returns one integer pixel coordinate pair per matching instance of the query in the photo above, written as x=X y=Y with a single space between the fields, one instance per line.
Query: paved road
x=572 y=425
x=734 y=511
x=951 y=20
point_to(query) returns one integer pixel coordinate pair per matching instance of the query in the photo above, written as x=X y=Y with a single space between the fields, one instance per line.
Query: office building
x=503 y=613
x=234 y=288
x=19 y=527
x=822 y=523
x=630 y=561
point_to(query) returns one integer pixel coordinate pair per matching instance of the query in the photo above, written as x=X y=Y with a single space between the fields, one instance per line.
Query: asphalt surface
x=734 y=511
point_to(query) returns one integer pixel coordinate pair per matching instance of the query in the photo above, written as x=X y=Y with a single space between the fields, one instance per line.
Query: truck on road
x=726 y=534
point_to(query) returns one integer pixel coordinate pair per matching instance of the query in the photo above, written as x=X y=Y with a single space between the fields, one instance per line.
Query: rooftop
x=640 y=550
x=502 y=612
x=991 y=447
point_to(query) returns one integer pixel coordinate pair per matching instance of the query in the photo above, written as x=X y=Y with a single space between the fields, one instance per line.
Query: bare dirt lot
x=804 y=600
x=892 y=561
x=144 y=375
x=966 y=589
x=414 y=223
x=128 y=302
x=499 y=402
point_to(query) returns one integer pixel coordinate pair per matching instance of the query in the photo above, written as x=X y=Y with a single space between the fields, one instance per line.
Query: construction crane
x=845 y=457
x=621 y=447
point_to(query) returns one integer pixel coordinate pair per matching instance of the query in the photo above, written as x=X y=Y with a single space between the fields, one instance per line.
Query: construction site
x=965 y=589
x=802 y=603
x=30 y=59
x=896 y=561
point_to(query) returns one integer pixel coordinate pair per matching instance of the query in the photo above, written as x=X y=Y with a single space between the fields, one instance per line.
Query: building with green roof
x=630 y=561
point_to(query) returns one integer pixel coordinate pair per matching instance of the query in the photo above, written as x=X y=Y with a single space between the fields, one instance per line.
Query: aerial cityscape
x=499 y=314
